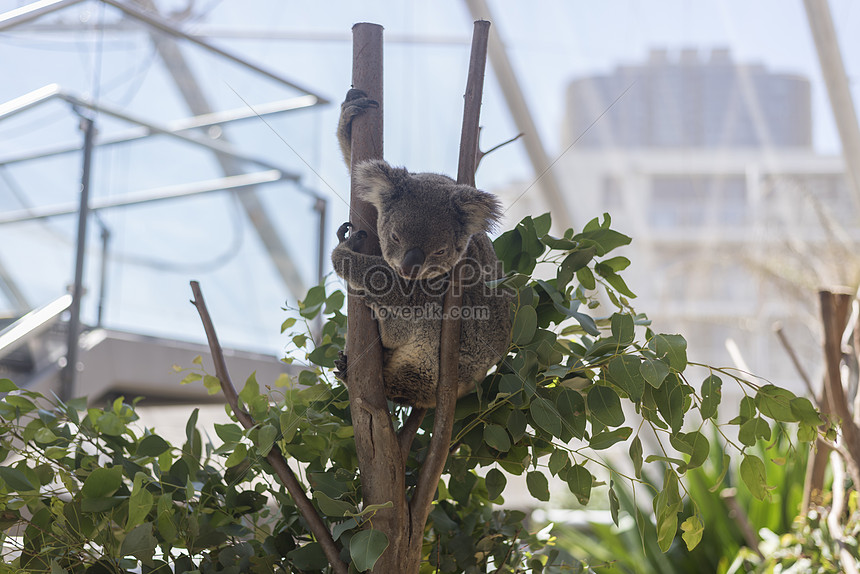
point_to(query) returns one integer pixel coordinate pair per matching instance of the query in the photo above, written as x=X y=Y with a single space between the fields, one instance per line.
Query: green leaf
x=804 y=412
x=754 y=477
x=586 y=278
x=250 y=390
x=694 y=444
x=672 y=347
x=517 y=423
x=605 y=406
x=573 y=263
x=239 y=455
x=625 y=371
x=667 y=505
x=606 y=439
x=542 y=223
x=313 y=302
x=614 y=505
x=558 y=460
x=289 y=322
x=228 y=432
x=544 y=414
x=309 y=557
x=711 y=396
x=139 y=505
x=266 y=439
x=15 y=480
x=6 y=385
x=654 y=371
x=538 y=485
x=571 y=407
x=102 y=482
x=579 y=481
x=495 y=482
x=212 y=384
x=152 y=445
x=752 y=430
x=635 y=452
x=604 y=239
x=614 y=280
x=497 y=437
x=670 y=402
x=330 y=506
x=191 y=425
x=622 y=328
x=139 y=543
x=693 y=529
x=366 y=547
x=775 y=402
x=525 y=325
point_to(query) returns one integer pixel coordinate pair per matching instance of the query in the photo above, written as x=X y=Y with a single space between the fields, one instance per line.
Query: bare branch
x=274 y=458
x=780 y=333
x=449 y=352
x=481 y=154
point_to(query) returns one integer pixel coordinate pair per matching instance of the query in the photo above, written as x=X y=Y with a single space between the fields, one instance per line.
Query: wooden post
x=380 y=463
x=382 y=457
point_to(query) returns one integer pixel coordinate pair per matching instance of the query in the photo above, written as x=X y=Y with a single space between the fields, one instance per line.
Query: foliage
x=630 y=548
x=86 y=488
x=808 y=547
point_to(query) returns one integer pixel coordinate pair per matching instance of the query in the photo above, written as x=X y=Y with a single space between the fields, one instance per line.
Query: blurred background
x=706 y=129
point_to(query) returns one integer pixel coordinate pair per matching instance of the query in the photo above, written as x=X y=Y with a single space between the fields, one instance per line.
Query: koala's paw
x=354 y=240
x=340 y=366
x=355 y=104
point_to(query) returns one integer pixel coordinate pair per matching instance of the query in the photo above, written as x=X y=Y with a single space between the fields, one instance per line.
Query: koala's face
x=425 y=220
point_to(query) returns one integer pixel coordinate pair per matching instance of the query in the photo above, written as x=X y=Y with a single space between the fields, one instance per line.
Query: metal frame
x=180 y=125
x=54 y=91
x=38 y=9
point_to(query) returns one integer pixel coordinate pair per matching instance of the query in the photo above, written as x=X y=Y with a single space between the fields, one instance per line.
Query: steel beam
x=194 y=96
x=180 y=125
x=838 y=89
x=230 y=183
x=32 y=11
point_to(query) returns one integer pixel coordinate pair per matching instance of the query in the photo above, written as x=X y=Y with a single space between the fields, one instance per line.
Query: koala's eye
x=441 y=252
x=394 y=237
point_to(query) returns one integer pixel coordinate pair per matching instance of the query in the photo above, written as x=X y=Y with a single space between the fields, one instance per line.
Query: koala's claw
x=341 y=231
x=356 y=103
x=340 y=366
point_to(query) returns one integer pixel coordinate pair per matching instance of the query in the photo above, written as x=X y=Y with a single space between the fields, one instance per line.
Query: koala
x=426 y=224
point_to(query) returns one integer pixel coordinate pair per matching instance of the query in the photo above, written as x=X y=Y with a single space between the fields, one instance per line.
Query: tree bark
x=835 y=309
x=381 y=453
x=380 y=464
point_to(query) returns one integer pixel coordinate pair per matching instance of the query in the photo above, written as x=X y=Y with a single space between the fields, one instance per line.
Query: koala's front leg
x=355 y=104
x=369 y=274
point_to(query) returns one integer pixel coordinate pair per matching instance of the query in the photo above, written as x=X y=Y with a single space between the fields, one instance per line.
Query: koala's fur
x=426 y=223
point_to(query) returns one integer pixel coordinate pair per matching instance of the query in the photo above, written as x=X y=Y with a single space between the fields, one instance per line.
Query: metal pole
x=67 y=383
x=105 y=236
x=321 y=207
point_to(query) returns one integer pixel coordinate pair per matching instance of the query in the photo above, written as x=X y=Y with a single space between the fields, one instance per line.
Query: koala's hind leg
x=409 y=380
x=355 y=104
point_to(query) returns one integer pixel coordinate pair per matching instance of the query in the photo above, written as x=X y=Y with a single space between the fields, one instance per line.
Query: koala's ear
x=378 y=182
x=479 y=211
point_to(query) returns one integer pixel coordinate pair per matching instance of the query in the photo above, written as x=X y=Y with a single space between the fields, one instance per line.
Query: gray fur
x=441 y=221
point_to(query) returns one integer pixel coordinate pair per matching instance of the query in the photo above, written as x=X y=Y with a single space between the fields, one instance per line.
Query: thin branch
x=407 y=432
x=449 y=352
x=274 y=458
x=780 y=334
x=481 y=154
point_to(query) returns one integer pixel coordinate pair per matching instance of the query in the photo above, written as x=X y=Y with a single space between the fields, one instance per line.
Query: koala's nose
x=412 y=261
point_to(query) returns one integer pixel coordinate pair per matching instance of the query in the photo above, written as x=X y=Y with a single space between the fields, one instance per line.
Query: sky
x=156 y=249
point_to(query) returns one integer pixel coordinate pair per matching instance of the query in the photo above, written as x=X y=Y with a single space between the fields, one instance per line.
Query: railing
x=32 y=324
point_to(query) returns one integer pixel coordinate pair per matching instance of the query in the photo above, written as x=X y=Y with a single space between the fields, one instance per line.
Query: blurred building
x=708 y=164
